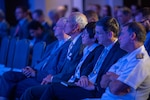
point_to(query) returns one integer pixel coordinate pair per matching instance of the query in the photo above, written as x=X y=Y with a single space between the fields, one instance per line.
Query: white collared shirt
x=133 y=70
x=76 y=38
x=69 y=54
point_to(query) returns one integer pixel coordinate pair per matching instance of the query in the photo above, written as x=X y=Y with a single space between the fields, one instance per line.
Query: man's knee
x=7 y=75
x=11 y=75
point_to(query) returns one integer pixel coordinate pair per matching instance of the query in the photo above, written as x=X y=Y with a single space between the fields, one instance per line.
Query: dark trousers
x=61 y=92
x=34 y=93
x=13 y=84
x=56 y=91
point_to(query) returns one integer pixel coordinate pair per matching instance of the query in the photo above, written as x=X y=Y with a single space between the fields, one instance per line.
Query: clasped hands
x=107 y=78
x=29 y=72
x=85 y=83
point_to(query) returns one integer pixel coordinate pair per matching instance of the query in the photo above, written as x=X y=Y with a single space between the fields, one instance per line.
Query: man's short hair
x=109 y=24
x=126 y=11
x=23 y=8
x=138 y=29
x=34 y=25
x=79 y=18
x=90 y=14
x=39 y=12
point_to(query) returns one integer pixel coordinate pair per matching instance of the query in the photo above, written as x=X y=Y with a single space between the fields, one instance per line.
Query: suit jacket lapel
x=49 y=49
x=108 y=60
x=57 y=53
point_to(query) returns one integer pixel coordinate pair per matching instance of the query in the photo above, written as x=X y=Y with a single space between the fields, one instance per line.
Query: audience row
x=92 y=58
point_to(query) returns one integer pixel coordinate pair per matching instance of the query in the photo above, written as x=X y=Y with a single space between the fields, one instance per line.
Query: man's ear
x=133 y=36
x=76 y=28
x=92 y=19
x=110 y=34
x=147 y=22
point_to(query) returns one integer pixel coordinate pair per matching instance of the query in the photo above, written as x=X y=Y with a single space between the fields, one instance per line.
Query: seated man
x=75 y=24
x=91 y=15
x=143 y=16
x=106 y=32
x=16 y=82
x=39 y=16
x=129 y=78
x=124 y=15
x=21 y=30
x=38 y=34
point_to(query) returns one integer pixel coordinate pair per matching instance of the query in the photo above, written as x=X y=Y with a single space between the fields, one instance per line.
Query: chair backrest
x=38 y=51
x=11 y=51
x=21 y=54
x=4 y=50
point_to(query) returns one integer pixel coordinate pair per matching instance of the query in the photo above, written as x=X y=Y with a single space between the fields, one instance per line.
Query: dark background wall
x=10 y=6
x=144 y=3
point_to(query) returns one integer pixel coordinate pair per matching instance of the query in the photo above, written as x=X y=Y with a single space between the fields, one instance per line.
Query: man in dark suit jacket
x=49 y=64
x=88 y=86
x=4 y=26
x=21 y=30
x=38 y=15
x=75 y=50
x=39 y=34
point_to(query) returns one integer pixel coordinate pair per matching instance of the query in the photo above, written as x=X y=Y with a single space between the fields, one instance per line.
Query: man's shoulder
x=117 y=49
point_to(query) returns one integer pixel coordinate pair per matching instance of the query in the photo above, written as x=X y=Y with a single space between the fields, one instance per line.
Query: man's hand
x=119 y=88
x=90 y=86
x=29 y=72
x=105 y=81
x=107 y=78
x=116 y=87
x=47 y=79
x=85 y=83
x=112 y=76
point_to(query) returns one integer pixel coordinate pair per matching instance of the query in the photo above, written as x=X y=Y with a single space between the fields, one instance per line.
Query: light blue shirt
x=45 y=61
x=86 y=52
x=93 y=75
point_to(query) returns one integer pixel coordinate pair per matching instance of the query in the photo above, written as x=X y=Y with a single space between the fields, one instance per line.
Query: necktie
x=69 y=54
x=17 y=30
x=92 y=76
